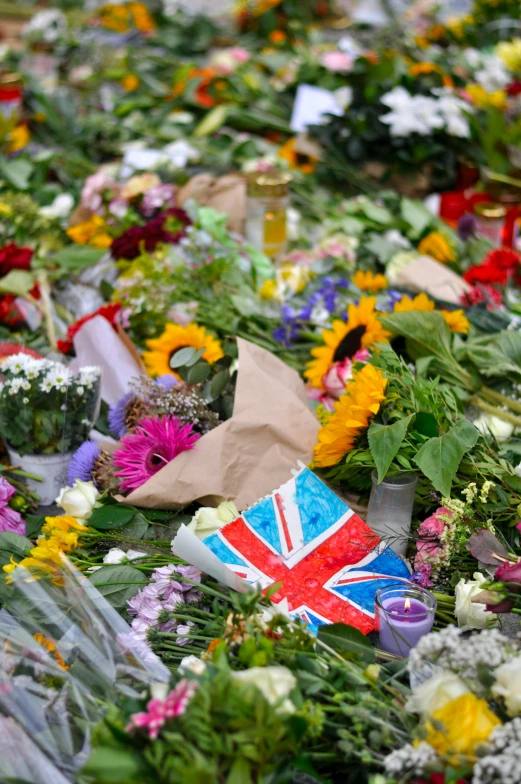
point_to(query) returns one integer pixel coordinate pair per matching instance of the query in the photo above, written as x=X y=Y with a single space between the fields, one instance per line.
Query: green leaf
x=77 y=257
x=425 y=424
x=439 y=458
x=112 y=766
x=18 y=171
x=382 y=249
x=212 y=121
x=416 y=215
x=182 y=357
x=240 y=772
x=385 y=441
x=13 y=544
x=344 y=638
x=118 y=583
x=33 y=524
x=197 y=356
x=18 y=282
x=137 y=527
x=111 y=516
x=198 y=373
x=219 y=382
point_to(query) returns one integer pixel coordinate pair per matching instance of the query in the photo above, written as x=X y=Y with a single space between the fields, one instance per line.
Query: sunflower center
x=155 y=460
x=350 y=344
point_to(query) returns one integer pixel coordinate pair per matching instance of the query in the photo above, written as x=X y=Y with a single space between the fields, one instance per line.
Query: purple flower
x=167 y=381
x=83 y=462
x=467 y=226
x=10 y=519
x=117 y=416
x=184 y=631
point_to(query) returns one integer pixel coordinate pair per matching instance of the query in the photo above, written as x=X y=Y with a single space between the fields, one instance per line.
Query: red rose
x=514 y=88
x=138 y=238
x=503 y=258
x=13 y=256
x=486 y=273
x=108 y=312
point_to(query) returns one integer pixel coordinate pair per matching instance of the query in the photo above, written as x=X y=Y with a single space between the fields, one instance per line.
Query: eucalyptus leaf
x=219 y=382
x=198 y=373
x=196 y=357
x=439 y=458
x=385 y=442
x=182 y=357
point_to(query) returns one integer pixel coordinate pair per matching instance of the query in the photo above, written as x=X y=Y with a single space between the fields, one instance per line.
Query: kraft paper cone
x=427 y=274
x=242 y=460
x=225 y=194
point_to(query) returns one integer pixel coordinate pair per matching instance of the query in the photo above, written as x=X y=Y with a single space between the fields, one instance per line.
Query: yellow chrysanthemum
x=50 y=646
x=437 y=246
x=174 y=338
x=367 y=281
x=130 y=83
x=421 y=302
x=467 y=724
x=344 y=339
x=510 y=53
x=64 y=523
x=361 y=401
x=19 y=138
x=456 y=320
x=141 y=17
x=483 y=100
x=91 y=232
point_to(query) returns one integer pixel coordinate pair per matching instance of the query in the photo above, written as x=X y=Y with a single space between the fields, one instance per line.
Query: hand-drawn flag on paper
x=328 y=561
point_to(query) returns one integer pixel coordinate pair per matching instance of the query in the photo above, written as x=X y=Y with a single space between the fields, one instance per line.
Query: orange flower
x=421 y=69
x=367 y=281
x=277 y=37
x=19 y=138
x=50 y=646
x=305 y=163
x=130 y=83
x=91 y=232
x=141 y=17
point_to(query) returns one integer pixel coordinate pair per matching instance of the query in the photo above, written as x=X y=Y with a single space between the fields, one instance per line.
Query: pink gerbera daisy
x=153 y=444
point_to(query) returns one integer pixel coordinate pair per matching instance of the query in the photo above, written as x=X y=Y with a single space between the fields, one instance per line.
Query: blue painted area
x=363 y=593
x=261 y=518
x=222 y=551
x=319 y=506
x=313 y=623
x=385 y=563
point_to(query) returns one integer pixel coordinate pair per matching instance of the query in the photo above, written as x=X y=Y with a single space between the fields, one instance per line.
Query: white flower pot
x=51 y=468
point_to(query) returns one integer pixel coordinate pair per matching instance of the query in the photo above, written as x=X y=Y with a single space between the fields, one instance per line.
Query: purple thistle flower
x=467 y=225
x=83 y=462
x=167 y=381
x=117 y=416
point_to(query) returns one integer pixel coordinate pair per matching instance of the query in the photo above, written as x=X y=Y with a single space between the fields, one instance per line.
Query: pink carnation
x=429 y=537
x=160 y=711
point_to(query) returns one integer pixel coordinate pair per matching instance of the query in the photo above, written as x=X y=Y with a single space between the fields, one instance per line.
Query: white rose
x=207 y=520
x=435 y=692
x=472 y=615
x=60 y=208
x=508 y=685
x=79 y=500
x=114 y=556
x=489 y=424
x=275 y=684
x=192 y=664
x=133 y=555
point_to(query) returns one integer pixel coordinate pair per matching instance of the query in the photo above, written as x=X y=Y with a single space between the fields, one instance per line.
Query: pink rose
x=336 y=61
x=430 y=533
x=335 y=380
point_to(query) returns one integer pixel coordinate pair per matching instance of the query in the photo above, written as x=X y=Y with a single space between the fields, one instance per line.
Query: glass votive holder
x=389 y=513
x=403 y=614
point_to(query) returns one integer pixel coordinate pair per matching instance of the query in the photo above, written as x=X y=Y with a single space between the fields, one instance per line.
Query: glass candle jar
x=403 y=614
x=266 y=212
x=389 y=512
x=490 y=219
x=11 y=94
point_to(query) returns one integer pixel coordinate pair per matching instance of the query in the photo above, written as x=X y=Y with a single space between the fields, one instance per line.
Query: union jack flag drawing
x=328 y=561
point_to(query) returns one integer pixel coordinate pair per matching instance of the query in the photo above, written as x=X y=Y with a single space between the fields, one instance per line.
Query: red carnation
x=14 y=256
x=108 y=312
x=132 y=242
x=503 y=258
x=486 y=273
x=482 y=293
x=514 y=88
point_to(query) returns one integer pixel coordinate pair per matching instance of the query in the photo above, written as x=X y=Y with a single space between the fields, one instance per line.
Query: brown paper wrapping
x=250 y=454
x=427 y=274
x=225 y=194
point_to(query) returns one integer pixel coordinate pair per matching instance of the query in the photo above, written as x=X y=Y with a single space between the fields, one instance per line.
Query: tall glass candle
x=389 y=512
x=403 y=613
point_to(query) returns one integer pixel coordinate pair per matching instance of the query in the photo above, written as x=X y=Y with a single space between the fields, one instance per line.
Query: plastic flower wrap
x=61 y=662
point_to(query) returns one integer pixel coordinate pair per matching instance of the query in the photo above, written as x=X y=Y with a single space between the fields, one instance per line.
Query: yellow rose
x=467 y=723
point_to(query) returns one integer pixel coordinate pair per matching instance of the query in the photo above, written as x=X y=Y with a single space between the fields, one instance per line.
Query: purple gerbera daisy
x=155 y=442
x=117 y=416
x=83 y=462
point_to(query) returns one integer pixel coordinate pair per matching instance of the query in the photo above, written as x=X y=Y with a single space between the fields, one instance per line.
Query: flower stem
x=506 y=416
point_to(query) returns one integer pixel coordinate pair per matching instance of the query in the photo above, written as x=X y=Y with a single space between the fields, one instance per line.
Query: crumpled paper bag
x=242 y=460
x=427 y=274
x=97 y=343
x=225 y=194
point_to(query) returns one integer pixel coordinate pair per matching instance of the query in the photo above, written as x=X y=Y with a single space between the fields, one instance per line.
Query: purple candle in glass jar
x=404 y=613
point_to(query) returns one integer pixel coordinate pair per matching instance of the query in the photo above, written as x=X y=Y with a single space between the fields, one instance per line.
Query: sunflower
x=361 y=401
x=437 y=247
x=175 y=337
x=455 y=319
x=367 y=281
x=361 y=330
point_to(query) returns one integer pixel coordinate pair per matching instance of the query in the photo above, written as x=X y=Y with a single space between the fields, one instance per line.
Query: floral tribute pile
x=175 y=608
